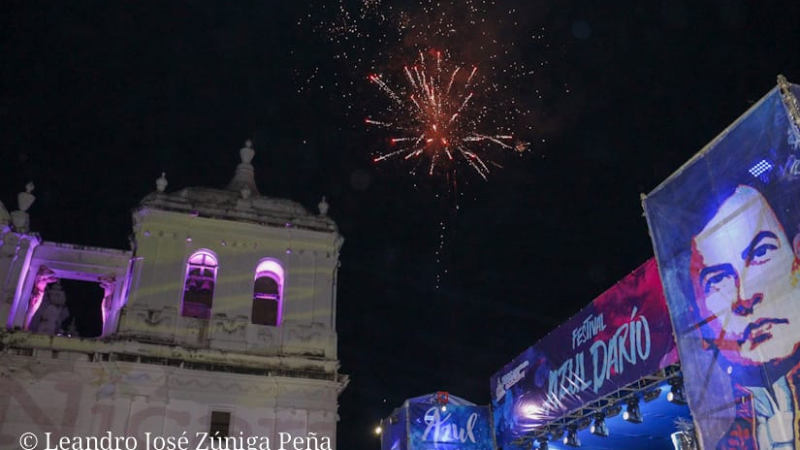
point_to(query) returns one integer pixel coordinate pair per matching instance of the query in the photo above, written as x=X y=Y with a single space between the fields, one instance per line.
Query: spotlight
x=633 y=414
x=649 y=396
x=543 y=445
x=557 y=433
x=599 y=427
x=378 y=430
x=677 y=395
x=583 y=423
x=613 y=411
x=571 y=439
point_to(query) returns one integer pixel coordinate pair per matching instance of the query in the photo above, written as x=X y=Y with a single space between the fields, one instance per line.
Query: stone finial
x=20 y=217
x=26 y=199
x=245 y=173
x=161 y=182
x=323 y=207
x=247 y=152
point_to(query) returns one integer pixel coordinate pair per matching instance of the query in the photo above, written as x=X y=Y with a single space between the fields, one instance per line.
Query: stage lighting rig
x=571 y=438
x=677 y=394
x=613 y=411
x=599 y=427
x=652 y=394
x=633 y=414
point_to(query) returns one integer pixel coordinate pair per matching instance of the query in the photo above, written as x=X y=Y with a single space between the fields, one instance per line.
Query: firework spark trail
x=452 y=78
x=433 y=163
x=375 y=122
x=388 y=155
x=469 y=156
x=425 y=84
x=410 y=78
x=416 y=72
x=419 y=107
x=463 y=105
x=496 y=139
x=438 y=67
x=471 y=75
x=438 y=122
x=384 y=87
x=411 y=155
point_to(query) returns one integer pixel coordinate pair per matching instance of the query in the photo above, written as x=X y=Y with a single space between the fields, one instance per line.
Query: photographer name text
x=150 y=441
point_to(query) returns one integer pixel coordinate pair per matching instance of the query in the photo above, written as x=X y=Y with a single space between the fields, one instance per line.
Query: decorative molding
x=233 y=327
x=154 y=317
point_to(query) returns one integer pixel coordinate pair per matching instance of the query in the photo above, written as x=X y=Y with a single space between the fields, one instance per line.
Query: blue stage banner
x=622 y=336
x=393 y=435
x=725 y=233
x=454 y=427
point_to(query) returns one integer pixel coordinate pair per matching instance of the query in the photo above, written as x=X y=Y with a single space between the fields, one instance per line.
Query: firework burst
x=436 y=118
x=343 y=39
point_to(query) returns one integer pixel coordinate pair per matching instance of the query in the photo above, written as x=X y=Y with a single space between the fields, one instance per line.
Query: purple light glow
x=201 y=277
x=24 y=273
x=203 y=257
x=273 y=268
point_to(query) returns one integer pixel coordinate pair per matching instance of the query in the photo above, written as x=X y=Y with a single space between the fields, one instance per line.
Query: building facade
x=220 y=320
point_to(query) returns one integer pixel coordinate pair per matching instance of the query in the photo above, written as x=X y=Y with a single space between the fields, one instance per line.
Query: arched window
x=268 y=293
x=198 y=289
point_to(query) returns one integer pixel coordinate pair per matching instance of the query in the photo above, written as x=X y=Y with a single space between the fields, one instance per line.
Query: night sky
x=98 y=98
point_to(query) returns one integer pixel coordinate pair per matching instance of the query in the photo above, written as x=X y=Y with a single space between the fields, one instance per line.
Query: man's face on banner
x=743 y=271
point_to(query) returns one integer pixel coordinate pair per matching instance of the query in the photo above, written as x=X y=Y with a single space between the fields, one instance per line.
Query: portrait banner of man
x=726 y=234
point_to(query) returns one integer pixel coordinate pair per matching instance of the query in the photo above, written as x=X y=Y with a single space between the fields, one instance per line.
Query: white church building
x=220 y=320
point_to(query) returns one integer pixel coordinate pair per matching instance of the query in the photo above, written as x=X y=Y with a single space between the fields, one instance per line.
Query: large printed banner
x=725 y=232
x=395 y=431
x=424 y=423
x=454 y=428
x=621 y=336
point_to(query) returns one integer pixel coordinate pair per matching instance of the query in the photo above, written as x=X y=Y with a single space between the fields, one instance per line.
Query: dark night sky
x=97 y=98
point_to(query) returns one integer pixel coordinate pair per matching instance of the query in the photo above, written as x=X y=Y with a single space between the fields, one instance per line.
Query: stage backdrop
x=620 y=337
x=724 y=229
x=422 y=424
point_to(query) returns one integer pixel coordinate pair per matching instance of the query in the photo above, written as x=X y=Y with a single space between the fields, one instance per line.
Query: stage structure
x=615 y=352
x=725 y=229
x=438 y=421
